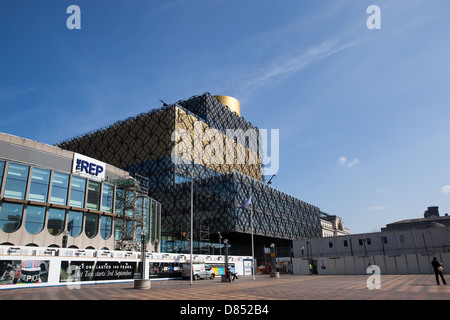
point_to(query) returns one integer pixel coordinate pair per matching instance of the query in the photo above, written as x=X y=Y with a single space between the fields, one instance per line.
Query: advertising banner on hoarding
x=97 y=270
x=23 y=271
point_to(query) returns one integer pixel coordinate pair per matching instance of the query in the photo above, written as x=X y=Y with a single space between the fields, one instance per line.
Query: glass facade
x=74 y=223
x=56 y=219
x=16 y=181
x=106 y=227
x=60 y=184
x=77 y=192
x=42 y=200
x=11 y=217
x=93 y=196
x=107 y=198
x=91 y=224
x=39 y=185
x=35 y=219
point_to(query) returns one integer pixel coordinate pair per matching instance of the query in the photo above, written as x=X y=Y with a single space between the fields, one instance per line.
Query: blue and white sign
x=86 y=167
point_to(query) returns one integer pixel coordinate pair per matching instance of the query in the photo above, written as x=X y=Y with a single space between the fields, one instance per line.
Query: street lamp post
x=142 y=283
x=192 y=220
x=225 y=271
x=274 y=273
x=253 y=244
x=143 y=254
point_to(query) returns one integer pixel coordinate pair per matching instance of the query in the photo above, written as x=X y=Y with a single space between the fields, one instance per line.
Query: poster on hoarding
x=97 y=270
x=23 y=271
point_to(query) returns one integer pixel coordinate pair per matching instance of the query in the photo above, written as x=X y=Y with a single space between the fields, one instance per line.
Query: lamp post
x=273 y=273
x=224 y=276
x=142 y=283
x=143 y=254
x=253 y=244
x=192 y=219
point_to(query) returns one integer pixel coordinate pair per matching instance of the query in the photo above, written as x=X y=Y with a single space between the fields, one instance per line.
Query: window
x=34 y=219
x=129 y=229
x=93 y=197
x=385 y=240
x=402 y=238
x=60 y=185
x=153 y=219
x=77 y=191
x=118 y=229
x=158 y=218
x=10 y=216
x=120 y=198
x=345 y=243
x=16 y=181
x=56 y=219
x=330 y=244
x=2 y=168
x=147 y=217
x=369 y=241
x=360 y=242
x=106 y=227
x=74 y=223
x=91 y=225
x=107 y=198
x=39 y=185
x=129 y=202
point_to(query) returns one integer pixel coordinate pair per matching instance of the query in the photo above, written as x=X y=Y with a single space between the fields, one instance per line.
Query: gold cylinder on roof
x=232 y=103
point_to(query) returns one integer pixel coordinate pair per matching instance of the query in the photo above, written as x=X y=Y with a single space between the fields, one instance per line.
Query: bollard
x=142 y=284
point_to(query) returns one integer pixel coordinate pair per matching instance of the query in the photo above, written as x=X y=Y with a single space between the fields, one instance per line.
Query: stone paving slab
x=280 y=297
x=287 y=287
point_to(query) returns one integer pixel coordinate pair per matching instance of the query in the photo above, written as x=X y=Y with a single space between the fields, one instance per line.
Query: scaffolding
x=134 y=208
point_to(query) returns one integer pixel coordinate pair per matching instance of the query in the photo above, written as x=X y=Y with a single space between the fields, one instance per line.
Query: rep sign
x=88 y=168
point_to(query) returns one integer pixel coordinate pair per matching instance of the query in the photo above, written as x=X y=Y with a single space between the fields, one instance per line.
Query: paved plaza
x=287 y=287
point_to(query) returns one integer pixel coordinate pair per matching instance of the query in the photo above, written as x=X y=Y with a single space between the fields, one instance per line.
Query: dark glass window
x=34 y=219
x=77 y=191
x=16 y=181
x=60 y=185
x=10 y=216
x=55 y=221
x=91 y=225
x=39 y=185
x=74 y=223
x=93 y=197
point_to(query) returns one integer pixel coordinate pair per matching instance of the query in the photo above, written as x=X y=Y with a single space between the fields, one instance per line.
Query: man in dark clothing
x=228 y=274
x=438 y=270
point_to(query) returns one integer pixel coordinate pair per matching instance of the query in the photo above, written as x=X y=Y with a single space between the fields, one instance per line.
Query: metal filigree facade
x=145 y=145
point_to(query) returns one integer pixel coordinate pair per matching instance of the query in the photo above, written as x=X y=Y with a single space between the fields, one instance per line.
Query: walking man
x=438 y=270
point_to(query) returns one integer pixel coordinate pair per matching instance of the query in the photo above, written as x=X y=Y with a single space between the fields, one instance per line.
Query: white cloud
x=351 y=164
x=343 y=162
x=445 y=189
x=377 y=208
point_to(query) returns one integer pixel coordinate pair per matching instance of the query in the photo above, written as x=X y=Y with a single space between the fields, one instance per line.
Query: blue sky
x=363 y=114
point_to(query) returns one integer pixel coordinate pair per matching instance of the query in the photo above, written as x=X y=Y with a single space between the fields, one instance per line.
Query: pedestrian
x=438 y=270
x=235 y=276
x=228 y=274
